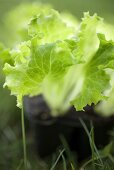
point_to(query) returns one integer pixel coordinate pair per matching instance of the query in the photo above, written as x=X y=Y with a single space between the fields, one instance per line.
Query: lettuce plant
x=67 y=66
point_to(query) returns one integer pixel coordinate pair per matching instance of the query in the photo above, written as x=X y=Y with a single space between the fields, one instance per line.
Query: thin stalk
x=64 y=162
x=23 y=137
x=88 y=162
x=72 y=166
x=54 y=165
x=94 y=150
x=20 y=165
x=67 y=150
x=91 y=139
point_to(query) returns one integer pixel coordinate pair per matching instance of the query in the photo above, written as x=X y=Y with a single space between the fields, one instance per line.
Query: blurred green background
x=104 y=8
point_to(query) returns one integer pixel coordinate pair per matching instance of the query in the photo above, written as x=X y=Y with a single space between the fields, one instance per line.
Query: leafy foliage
x=64 y=65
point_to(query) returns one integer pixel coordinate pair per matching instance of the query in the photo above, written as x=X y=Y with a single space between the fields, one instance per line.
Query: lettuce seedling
x=66 y=66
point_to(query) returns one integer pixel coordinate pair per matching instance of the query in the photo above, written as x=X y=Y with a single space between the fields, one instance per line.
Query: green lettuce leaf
x=50 y=27
x=32 y=65
x=95 y=78
x=35 y=60
x=23 y=13
x=88 y=41
x=106 y=107
x=66 y=67
x=107 y=29
x=72 y=82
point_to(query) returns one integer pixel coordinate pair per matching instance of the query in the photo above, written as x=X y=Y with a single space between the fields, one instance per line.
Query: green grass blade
x=64 y=162
x=23 y=137
x=20 y=165
x=94 y=150
x=68 y=152
x=54 y=165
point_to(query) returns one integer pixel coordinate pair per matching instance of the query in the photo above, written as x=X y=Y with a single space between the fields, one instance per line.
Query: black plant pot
x=47 y=129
